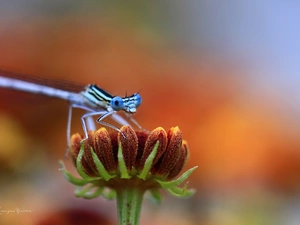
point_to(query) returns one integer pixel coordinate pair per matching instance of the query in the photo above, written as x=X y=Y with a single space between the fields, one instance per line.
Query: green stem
x=129 y=203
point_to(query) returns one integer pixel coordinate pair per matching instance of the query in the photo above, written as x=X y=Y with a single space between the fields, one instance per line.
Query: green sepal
x=86 y=192
x=69 y=177
x=178 y=181
x=95 y=194
x=109 y=194
x=80 y=169
x=148 y=163
x=100 y=168
x=81 y=191
x=182 y=192
x=122 y=165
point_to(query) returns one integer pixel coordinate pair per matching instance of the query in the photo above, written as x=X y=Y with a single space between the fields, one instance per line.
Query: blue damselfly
x=94 y=100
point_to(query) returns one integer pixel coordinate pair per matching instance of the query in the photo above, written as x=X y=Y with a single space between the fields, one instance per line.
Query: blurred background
x=225 y=72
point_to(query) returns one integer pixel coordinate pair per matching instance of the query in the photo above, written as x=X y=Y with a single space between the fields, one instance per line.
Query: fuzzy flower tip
x=109 y=162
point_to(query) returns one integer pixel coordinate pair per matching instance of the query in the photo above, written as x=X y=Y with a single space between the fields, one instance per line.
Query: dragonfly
x=93 y=99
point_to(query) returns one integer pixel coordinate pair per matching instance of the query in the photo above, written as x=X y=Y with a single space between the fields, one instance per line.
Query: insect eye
x=117 y=103
x=138 y=100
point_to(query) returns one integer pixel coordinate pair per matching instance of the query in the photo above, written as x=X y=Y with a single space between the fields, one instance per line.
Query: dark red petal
x=172 y=153
x=115 y=145
x=103 y=149
x=158 y=134
x=182 y=159
x=142 y=137
x=129 y=145
x=87 y=160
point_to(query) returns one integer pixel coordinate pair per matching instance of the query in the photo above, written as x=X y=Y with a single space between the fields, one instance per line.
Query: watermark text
x=15 y=211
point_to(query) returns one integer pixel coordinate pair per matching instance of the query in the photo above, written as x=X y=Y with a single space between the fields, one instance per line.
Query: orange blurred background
x=246 y=147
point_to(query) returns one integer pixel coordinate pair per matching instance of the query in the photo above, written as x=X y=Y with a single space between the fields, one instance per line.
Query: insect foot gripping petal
x=124 y=168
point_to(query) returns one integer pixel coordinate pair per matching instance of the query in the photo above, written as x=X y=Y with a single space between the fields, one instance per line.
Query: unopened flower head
x=108 y=162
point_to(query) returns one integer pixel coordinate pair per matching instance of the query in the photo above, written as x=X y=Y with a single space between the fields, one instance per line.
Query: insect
x=94 y=100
